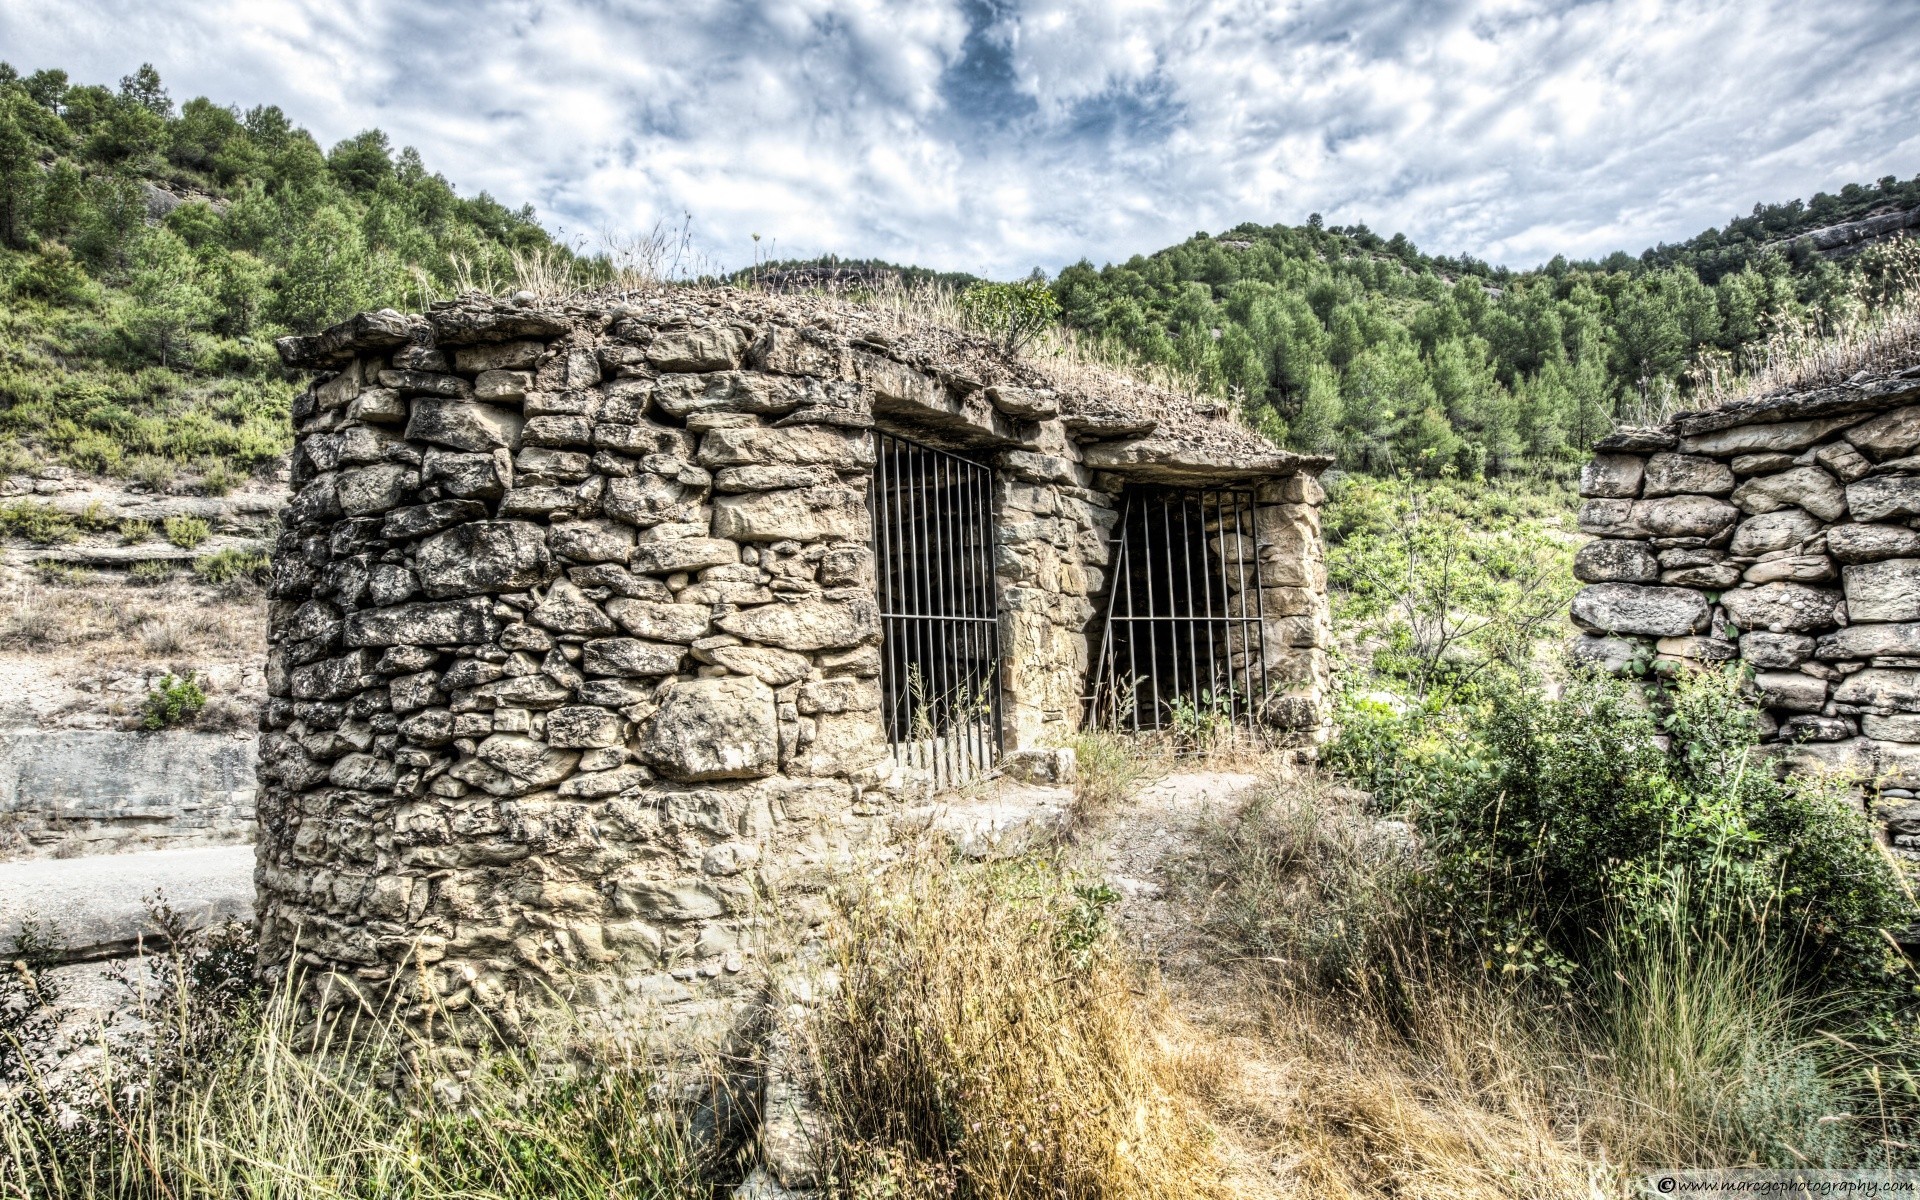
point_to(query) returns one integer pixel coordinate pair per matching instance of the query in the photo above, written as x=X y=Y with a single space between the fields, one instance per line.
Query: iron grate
x=1185 y=635
x=939 y=610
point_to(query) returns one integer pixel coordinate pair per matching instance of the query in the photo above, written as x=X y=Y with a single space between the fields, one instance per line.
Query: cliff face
x=1783 y=532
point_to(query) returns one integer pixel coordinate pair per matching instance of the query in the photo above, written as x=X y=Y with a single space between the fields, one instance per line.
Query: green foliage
x=40 y=524
x=175 y=702
x=1560 y=827
x=185 y=531
x=1367 y=348
x=150 y=572
x=1012 y=314
x=232 y=566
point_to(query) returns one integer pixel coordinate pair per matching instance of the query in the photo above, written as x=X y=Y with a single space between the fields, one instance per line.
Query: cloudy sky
x=997 y=135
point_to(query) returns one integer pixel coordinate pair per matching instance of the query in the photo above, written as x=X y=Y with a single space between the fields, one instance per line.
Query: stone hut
x=1783 y=531
x=601 y=630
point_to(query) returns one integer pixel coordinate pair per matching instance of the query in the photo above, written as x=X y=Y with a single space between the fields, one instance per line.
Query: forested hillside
x=1343 y=341
x=150 y=252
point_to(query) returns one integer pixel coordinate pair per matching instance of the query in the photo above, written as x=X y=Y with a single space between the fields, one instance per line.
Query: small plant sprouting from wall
x=173 y=703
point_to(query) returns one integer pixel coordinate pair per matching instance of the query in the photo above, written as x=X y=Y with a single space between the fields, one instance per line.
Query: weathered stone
x=533 y=763
x=381 y=406
x=1782 y=607
x=1779 y=436
x=1683 y=474
x=775 y=667
x=800 y=446
x=767 y=479
x=1685 y=516
x=837 y=696
x=419 y=520
x=363 y=772
x=703 y=348
x=558 y=431
x=807 y=624
x=502 y=385
x=1777 y=650
x=1610 y=519
x=1870 y=543
x=1890 y=435
x=367 y=490
x=1712 y=577
x=428 y=727
x=662 y=622
x=1888 y=590
x=523 y=691
x=1612 y=475
x=425 y=383
x=467 y=476
x=1613 y=560
x=1785 y=529
x=1764 y=463
x=1884 y=497
x=485 y=556
x=1801 y=568
x=464 y=424
x=1636 y=609
x=1674 y=558
x=448 y=623
x=1698 y=649
x=1807 y=727
x=1881 y=689
x=685 y=554
x=1870 y=641
x=1791 y=690
x=566 y=609
x=591 y=541
x=706 y=729
x=1843 y=461
x=583 y=727
x=1610 y=654
x=647 y=499
x=500 y=356
x=333 y=678
x=1026 y=404
x=631 y=658
x=683 y=396
x=1894 y=727
x=831 y=513
x=1806 y=487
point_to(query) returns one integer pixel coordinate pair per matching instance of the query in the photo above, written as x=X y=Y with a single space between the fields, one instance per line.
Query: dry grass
x=173 y=619
x=1875 y=335
x=990 y=1038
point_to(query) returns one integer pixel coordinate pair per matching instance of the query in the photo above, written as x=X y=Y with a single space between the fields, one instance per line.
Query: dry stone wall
x=1784 y=532
x=574 y=640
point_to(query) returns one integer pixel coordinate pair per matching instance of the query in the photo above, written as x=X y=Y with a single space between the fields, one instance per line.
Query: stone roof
x=1122 y=423
x=1863 y=393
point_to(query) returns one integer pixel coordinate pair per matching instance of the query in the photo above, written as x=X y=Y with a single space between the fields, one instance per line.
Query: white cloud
x=994 y=135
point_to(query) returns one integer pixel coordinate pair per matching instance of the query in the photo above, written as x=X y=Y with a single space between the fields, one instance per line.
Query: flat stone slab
x=98 y=906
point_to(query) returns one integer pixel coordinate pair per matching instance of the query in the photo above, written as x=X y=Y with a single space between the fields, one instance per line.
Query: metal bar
x=1206 y=590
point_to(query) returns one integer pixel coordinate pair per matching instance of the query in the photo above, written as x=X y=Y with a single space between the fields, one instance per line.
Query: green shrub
x=230 y=566
x=186 y=532
x=60 y=574
x=149 y=573
x=175 y=702
x=135 y=530
x=1012 y=314
x=218 y=476
x=41 y=524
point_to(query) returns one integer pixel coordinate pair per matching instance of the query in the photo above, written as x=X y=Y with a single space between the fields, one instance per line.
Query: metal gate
x=1185 y=638
x=939 y=612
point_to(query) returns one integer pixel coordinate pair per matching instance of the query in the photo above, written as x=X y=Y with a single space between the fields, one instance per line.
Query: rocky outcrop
x=1784 y=531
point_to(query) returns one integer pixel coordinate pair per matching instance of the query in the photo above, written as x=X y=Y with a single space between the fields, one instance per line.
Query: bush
x=174 y=702
x=232 y=566
x=1012 y=314
x=149 y=572
x=185 y=532
x=41 y=524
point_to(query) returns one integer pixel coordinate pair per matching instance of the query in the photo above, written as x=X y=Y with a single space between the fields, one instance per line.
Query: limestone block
x=1638 y=609
x=1610 y=519
x=426 y=383
x=1807 y=727
x=828 y=513
x=1684 y=516
x=685 y=395
x=769 y=666
x=1712 y=577
x=485 y=556
x=591 y=541
x=500 y=356
x=1782 y=607
x=447 y=623
x=566 y=609
x=380 y=406
x=467 y=475
x=1843 y=461
x=1698 y=649
x=1799 y=568
x=1682 y=474
x=1804 y=487
x=631 y=658
x=806 y=625
x=428 y=727
x=1612 y=475
x=1779 y=436
x=701 y=348
x=419 y=520
x=1889 y=435
x=768 y=479
x=1766 y=462
x=1675 y=557
x=1026 y=404
x=1888 y=590
x=1862 y=641
x=583 y=727
x=1869 y=543
x=648 y=499
x=1853 y=758
x=808 y=445
x=558 y=431
x=1884 y=497
x=682 y=623
x=421 y=689
x=366 y=490
x=1782 y=529
x=1895 y=727
x=523 y=691
x=464 y=424
x=837 y=696
x=1776 y=650
x=707 y=729
x=1615 y=561
x=1791 y=690
x=501 y=385
x=684 y=554
x=1610 y=654
x=532 y=762
x=1881 y=688
x=597 y=785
